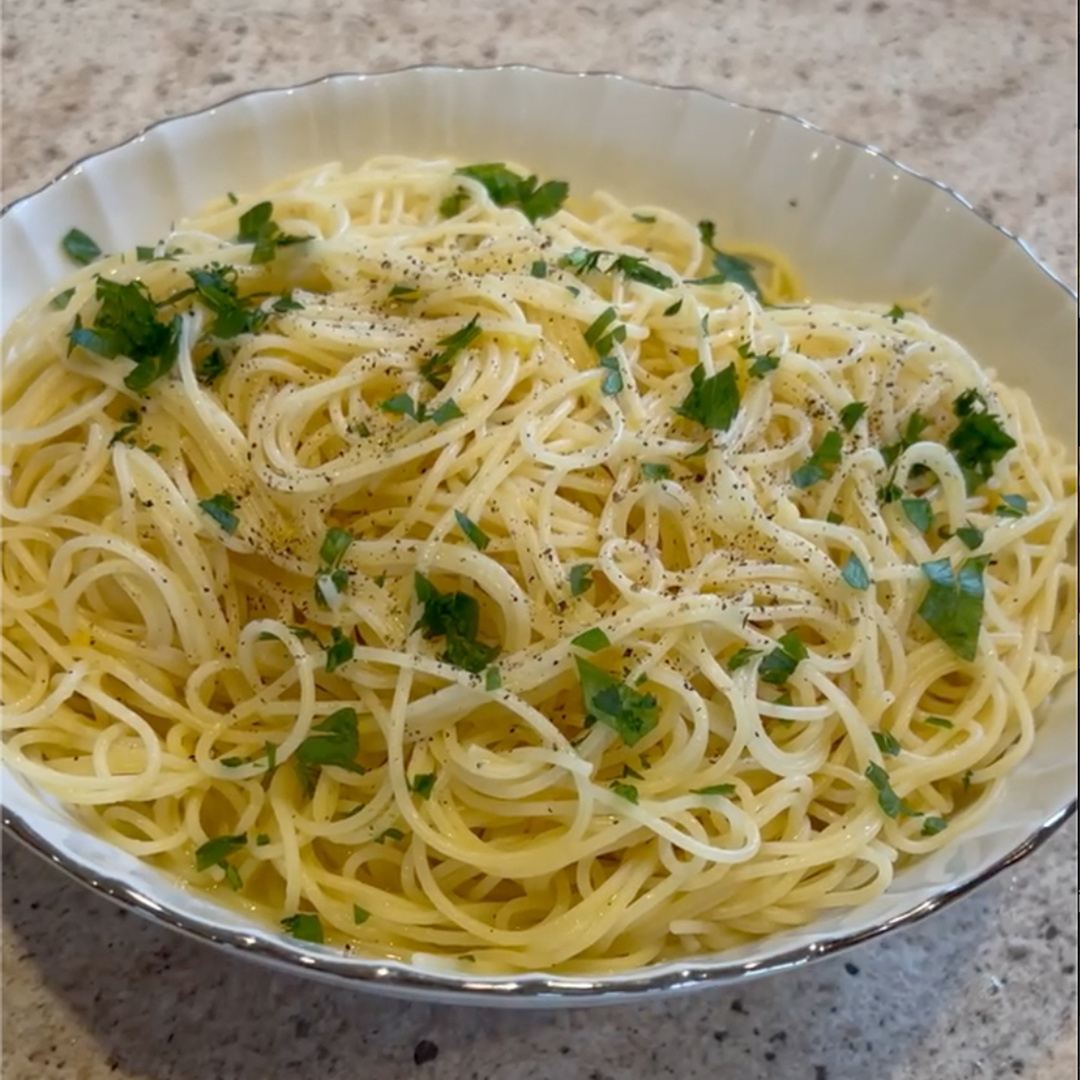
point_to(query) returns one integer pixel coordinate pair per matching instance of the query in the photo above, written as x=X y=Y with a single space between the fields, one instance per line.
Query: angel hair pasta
x=437 y=563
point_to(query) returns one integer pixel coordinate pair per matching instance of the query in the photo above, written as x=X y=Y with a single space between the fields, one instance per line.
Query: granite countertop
x=979 y=93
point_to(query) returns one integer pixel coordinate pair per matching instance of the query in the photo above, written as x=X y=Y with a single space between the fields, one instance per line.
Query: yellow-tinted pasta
x=473 y=595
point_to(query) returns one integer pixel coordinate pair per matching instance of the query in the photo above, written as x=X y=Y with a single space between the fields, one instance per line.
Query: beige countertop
x=978 y=93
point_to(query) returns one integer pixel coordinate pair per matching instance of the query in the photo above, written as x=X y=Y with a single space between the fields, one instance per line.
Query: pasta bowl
x=855 y=223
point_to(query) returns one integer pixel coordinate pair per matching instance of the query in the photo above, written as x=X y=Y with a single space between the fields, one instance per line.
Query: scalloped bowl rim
x=29 y=817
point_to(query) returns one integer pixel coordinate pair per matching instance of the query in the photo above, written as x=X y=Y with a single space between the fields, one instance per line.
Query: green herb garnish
x=126 y=324
x=890 y=803
x=714 y=789
x=359 y=915
x=220 y=507
x=625 y=791
x=423 y=785
x=507 y=188
x=919 y=512
x=475 y=535
x=538 y=269
x=896 y=313
x=854 y=573
x=454 y=203
x=728 y=267
x=887 y=743
x=741 y=658
x=492 y=679
x=654 y=471
x=851 y=414
x=594 y=640
x=933 y=825
x=970 y=536
x=335 y=741
x=779 y=664
x=455 y=616
x=713 y=401
x=339 y=651
x=436 y=368
x=1011 y=506
x=978 y=441
x=953 y=605
x=938 y=721
x=819 y=465
x=258 y=227
x=304 y=927
x=580 y=578
x=626 y=711
x=80 y=248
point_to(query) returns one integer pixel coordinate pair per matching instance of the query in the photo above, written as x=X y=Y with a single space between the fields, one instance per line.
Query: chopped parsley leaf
x=887 y=743
x=854 y=573
x=593 y=639
x=612 y=382
x=454 y=203
x=538 y=269
x=257 y=227
x=675 y=308
x=262 y=839
x=728 y=267
x=625 y=791
x=970 y=536
x=851 y=414
x=389 y=834
x=580 y=578
x=286 y=303
x=626 y=711
x=80 y=248
x=979 y=440
x=933 y=825
x=220 y=507
x=953 y=604
x=455 y=616
x=779 y=664
x=492 y=679
x=215 y=852
x=400 y=292
x=632 y=267
x=655 y=472
x=919 y=512
x=818 y=466
x=475 y=535
x=713 y=401
x=594 y=333
x=714 y=789
x=211 y=367
x=1012 y=506
x=329 y=584
x=335 y=741
x=304 y=927
x=359 y=915
x=126 y=324
x=403 y=405
x=938 y=721
x=446 y=412
x=896 y=313
x=507 y=188
x=339 y=651
x=742 y=658
x=436 y=368
x=890 y=803
x=423 y=784
x=335 y=543
x=645 y=219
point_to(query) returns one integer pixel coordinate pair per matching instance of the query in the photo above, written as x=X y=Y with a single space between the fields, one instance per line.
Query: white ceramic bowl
x=856 y=224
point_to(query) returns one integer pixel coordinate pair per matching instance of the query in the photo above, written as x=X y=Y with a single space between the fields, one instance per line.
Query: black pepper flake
x=425 y=1051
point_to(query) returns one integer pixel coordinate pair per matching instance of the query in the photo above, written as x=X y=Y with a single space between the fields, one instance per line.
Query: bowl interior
x=854 y=223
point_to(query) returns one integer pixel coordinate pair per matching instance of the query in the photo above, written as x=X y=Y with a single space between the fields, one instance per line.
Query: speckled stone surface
x=978 y=93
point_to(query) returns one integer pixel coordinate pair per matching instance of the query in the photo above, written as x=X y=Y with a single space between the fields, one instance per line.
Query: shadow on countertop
x=984 y=988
